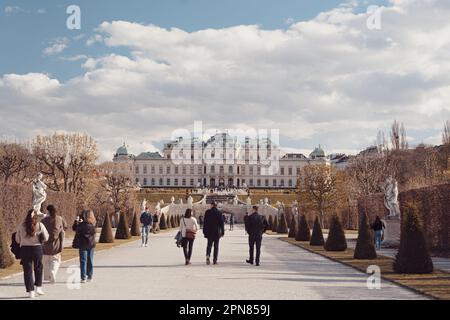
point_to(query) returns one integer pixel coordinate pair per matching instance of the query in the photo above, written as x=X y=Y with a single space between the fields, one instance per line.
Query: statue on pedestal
x=391 y=198
x=172 y=200
x=249 y=201
x=190 y=201
x=143 y=205
x=39 y=194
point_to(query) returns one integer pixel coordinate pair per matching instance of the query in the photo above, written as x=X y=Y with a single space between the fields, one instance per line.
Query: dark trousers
x=31 y=259
x=211 y=242
x=252 y=241
x=87 y=263
x=187 y=247
x=231 y=226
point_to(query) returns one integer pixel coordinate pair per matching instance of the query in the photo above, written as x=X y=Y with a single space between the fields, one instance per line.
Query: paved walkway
x=158 y=272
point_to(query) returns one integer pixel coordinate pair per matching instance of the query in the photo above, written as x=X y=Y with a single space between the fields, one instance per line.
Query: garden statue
x=39 y=194
x=391 y=197
x=190 y=201
x=143 y=205
x=249 y=201
x=172 y=200
x=235 y=200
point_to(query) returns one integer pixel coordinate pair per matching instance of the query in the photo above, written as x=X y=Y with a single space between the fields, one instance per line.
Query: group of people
x=214 y=230
x=41 y=242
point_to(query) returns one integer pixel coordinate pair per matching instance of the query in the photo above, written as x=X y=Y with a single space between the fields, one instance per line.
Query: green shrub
x=135 y=226
x=303 y=232
x=106 y=235
x=162 y=222
x=123 y=230
x=365 y=247
x=336 y=236
x=292 y=228
x=6 y=258
x=282 y=224
x=412 y=255
x=275 y=224
x=317 y=235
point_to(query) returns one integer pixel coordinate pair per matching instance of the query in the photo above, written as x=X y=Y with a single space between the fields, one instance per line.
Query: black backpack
x=15 y=247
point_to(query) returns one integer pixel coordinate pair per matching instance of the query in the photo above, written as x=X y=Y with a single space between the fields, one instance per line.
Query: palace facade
x=221 y=161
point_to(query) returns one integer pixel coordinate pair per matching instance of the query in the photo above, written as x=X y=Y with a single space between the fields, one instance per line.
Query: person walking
x=231 y=222
x=56 y=226
x=378 y=227
x=84 y=228
x=30 y=235
x=256 y=225
x=188 y=228
x=200 y=221
x=155 y=227
x=147 y=222
x=213 y=230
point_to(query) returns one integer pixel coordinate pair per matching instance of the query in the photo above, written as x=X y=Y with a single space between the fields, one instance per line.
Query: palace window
x=152 y=169
x=145 y=169
x=153 y=181
x=137 y=180
x=282 y=183
x=168 y=170
x=258 y=182
x=145 y=181
x=160 y=170
x=183 y=182
x=274 y=182
x=213 y=169
x=290 y=171
x=199 y=169
x=258 y=171
x=161 y=181
x=192 y=182
x=175 y=182
x=136 y=169
x=176 y=169
x=243 y=181
x=298 y=170
x=290 y=182
x=221 y=170
x=266 y=182
x=183 y=169
x=282 y=171
x=251 y=170
x=251 y=182
x=168 y=181
x=230 y=169
x=191 y=169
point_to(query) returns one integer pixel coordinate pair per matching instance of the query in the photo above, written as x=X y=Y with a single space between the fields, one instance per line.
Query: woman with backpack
x=188 y=229
x=30 y=235
x=84 y=227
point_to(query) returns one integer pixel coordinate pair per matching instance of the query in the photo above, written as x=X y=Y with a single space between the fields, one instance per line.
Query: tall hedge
x=412 y=255
x=123 y=230
x=303 y=232
x=336 y=236
x=6 y=259
x=135 y=226
x=270 y=222
x=106 y=235
x=275 y=224
x=282 y=224
x=317 y=235
x=172 y=221
x=162 y=222
x=292 y=228
x=365 y=247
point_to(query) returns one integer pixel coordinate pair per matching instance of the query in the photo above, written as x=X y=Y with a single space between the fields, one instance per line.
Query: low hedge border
x=435 y=285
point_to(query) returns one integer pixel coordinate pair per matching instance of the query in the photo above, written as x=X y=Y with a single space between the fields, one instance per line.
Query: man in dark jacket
x=255 y=225
x=213 y=229
x=146 y=222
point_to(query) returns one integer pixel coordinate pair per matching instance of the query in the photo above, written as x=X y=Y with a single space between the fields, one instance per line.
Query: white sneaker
x=146 y=245
x=32 y=295
x=142 y=245
x=39 y=291
x=83 y=281
x=90 y=280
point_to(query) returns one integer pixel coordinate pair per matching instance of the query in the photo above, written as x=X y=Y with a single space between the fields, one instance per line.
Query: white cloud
x=41 y=11
x=13 y=9
x=57 y=46
x=328 y=80
x=77 y=57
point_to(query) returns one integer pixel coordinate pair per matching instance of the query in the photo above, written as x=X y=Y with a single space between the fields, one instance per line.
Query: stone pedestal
x=391 y=233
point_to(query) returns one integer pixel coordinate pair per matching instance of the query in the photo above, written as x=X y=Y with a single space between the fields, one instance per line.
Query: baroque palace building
x=221 y=161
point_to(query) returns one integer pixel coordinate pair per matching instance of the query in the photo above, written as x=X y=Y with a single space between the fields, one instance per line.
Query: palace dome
x=317 y=153
x=122 y=151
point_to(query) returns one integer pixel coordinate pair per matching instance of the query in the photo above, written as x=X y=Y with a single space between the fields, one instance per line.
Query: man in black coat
x=213 y=229
x=255 y=225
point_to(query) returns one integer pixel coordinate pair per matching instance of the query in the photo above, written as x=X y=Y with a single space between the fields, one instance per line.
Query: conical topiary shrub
x=303 y=232
x=135 y=226
x=365 y=247
x=123 y=230
x=336 y=236
x=162 y=222
x=317 y=235
x=6 y=258
x=106 y=235
x=270 y=222
x=282 y=224
x=292 y=228
x=168 y=222
x=172 y=222
x=275 y=224
x=412 y=255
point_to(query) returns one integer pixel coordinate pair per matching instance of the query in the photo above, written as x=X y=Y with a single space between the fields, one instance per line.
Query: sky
x=138 y=70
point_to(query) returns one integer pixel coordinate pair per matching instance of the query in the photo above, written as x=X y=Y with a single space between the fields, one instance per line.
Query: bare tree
x=15 y=159
x=446 y=133
x=398 y=136
x=66 y=159
x=318 y=188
